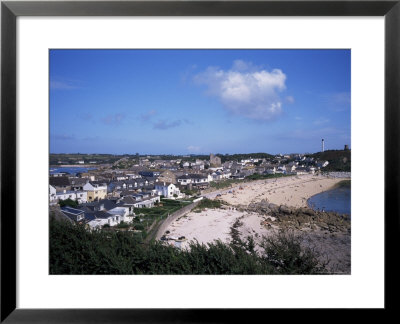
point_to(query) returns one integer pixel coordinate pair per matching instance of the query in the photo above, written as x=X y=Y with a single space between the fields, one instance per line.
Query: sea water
x=336 y=200
x=70 y=170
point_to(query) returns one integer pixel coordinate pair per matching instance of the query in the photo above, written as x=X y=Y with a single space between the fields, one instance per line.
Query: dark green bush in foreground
x=74 y=250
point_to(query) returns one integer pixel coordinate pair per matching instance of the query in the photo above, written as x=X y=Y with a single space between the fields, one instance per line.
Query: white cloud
x=245 y=89
x=290 y=99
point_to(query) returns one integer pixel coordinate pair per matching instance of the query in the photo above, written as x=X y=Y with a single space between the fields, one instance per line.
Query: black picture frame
x=10 y=10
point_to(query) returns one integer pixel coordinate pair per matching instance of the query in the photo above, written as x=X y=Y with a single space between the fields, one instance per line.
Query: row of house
x=100 y=213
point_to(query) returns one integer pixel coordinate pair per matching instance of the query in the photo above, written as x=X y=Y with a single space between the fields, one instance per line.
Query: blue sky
x=199 y=101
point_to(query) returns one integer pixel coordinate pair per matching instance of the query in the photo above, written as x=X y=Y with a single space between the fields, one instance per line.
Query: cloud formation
x=290 y=99
x=148 y=115
x=246 y=90
x=164 y=124
x=113 y=120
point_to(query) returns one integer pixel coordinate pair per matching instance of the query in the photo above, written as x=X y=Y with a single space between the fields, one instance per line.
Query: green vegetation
x=229 y=182
x=286 y=255
x=339 y=160
x=239 y=157
x=125 y=164
x=207 y=203
x=68 y=202
x=343 y=184
x=75 y=157
x=266 y=176
x=190 y=192
x=74 y=250
x=152 y=216
x=123 y=225
x=165 y=207
x=224 y=183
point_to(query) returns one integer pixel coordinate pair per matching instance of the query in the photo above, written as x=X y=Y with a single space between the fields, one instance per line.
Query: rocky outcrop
x=301 y=218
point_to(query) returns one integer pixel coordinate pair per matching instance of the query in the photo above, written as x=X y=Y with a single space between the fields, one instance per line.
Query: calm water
x=70 y=170
x=337 y=200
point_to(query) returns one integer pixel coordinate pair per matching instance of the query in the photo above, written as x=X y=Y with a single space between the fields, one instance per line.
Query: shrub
x=287 y=256
x=74 y=250
x=208 y=203
x=122 y=225
x=138 y=227
x=68 y=202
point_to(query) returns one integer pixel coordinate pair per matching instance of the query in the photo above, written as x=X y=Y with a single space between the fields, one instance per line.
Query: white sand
x=291 y=191
x=213 y=224
x=205 y=227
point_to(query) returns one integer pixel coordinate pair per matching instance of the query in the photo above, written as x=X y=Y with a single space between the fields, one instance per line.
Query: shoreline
x=265 y=213
x=335 y=187
x=293 y=191
x=332 y=242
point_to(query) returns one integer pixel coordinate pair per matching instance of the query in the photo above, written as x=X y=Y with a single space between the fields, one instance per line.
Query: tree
x=68 y=202
x=75 y=250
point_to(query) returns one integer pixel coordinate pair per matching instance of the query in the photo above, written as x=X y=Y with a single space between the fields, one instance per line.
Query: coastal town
x=108 y=196
x=199 y=162
x=163 y=199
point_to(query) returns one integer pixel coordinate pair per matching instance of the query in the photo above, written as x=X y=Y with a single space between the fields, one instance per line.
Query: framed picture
x=226 y=51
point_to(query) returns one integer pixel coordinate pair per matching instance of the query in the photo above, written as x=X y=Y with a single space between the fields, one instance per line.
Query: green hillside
x=339 y=160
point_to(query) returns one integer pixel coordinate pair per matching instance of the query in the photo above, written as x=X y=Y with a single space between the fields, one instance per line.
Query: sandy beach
x=205 y=227
x=291 y=191
x=215 y=224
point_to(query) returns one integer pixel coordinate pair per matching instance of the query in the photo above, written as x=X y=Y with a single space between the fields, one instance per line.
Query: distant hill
x=244 y=156
x=339 y=160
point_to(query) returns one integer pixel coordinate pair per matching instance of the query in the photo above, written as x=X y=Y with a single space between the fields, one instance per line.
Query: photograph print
x=208 y=161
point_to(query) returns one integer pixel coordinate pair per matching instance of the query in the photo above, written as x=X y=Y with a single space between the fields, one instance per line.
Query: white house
x=270 y=170
x=197 y=179
x=123 y=212
x=166 y=189
x=100 y=218
x=52 y=194
x=324 y=164
x=281 y=169
x=79 y=196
